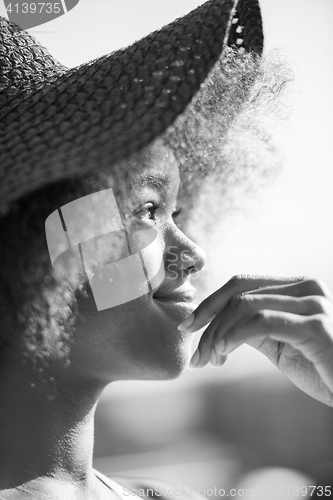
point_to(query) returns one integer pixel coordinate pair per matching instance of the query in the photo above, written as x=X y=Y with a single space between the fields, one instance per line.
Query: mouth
x=177 y=296
x=177 y=304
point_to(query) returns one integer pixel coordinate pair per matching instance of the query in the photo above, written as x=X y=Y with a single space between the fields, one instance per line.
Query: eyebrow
x=156 y=180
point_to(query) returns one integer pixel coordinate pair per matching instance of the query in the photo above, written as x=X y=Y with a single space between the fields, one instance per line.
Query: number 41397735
x=33 y=8
x=305 y=491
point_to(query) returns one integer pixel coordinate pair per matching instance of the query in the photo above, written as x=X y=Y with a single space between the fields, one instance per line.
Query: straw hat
x=57 y=123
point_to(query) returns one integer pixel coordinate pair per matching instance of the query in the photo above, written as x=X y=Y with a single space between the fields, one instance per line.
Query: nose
x=182 y=256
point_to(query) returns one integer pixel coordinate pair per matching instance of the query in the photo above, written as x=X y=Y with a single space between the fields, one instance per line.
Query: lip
x=184 y=296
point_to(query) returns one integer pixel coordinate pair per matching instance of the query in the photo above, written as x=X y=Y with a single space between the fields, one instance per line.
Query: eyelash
x=152 y=210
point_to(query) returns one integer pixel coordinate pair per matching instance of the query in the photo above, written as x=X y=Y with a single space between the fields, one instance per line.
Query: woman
x=63 y=336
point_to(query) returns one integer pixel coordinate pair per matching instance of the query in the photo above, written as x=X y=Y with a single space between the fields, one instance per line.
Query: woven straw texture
x=57 y=123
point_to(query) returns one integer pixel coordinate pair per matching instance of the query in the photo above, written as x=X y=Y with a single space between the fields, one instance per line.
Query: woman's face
x=138 y=338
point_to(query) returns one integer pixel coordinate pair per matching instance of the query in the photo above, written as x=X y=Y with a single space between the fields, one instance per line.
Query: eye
x=146 y=213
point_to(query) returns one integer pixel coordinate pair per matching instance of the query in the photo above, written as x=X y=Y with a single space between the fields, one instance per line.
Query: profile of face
x=139 y=339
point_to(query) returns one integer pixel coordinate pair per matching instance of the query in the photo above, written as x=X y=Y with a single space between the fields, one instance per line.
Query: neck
x=43 y=435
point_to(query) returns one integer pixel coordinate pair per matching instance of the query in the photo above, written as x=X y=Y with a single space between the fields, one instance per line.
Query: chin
x=167 y=361
x=172 y=372
x=173 y=363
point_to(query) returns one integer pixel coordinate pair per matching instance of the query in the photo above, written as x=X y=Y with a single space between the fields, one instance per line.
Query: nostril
x=191 y=269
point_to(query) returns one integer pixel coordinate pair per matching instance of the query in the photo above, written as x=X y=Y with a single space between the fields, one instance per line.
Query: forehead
x=155 y=169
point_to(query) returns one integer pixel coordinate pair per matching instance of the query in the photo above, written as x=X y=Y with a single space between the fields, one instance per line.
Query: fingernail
x=194 y=360
x=213 y=359
x=220 y=346
x=223 y=360
x=186 y=324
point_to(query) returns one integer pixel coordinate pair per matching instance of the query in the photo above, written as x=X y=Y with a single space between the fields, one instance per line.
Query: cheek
x=134 y=275
x=149 y=245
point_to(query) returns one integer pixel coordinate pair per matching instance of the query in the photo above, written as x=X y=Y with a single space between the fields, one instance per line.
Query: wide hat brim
x=57 y=123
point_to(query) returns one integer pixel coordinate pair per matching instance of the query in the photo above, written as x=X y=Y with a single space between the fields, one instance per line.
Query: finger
x=243 y=305
x=310 y=335
x=213 y=304
x=217 y=359
x=202 y=354
x=306 y=287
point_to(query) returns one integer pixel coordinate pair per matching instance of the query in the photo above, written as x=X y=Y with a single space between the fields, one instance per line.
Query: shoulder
x=147 y=488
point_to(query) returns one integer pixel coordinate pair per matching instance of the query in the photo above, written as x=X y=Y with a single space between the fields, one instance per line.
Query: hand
x=289 y=320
